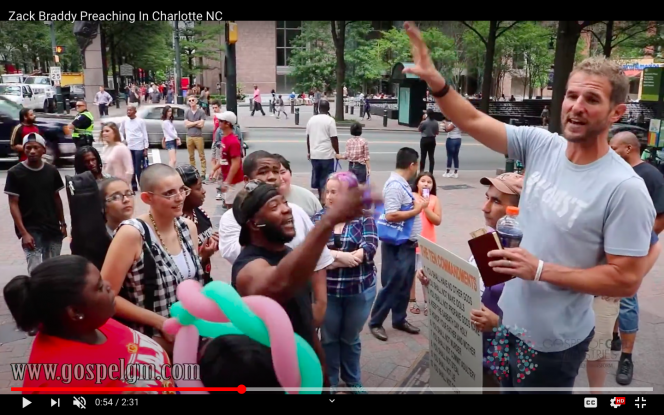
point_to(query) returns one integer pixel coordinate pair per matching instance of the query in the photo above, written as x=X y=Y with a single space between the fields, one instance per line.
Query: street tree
x=496 y=29
x=338 y=29
x=363 y=63
x=26 y=44
x=533 y=55
x=628 y=39
x=313 y=57
x=200 y=41
x=567 y=39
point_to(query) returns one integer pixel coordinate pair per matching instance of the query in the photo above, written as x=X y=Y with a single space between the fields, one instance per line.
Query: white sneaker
x=219 y=196
x=447 y=175
x=455 y=175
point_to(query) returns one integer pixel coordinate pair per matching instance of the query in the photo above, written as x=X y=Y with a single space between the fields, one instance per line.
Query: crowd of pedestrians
x=590 y=212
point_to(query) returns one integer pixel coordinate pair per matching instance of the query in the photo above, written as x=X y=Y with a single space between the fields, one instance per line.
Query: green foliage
x=26 y=44
x=529 y=45
x=201 y=41
x=314 y=59
x=147 y=45
x=362 y=60
x=628 y=39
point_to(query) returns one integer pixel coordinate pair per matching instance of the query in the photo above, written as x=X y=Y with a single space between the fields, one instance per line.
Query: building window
x=285 y=84
x=287 y=31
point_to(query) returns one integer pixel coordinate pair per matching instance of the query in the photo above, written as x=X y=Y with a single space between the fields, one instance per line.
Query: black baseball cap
x=248 y=202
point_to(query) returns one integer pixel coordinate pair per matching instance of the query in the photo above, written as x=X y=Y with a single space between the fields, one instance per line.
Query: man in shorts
x=230 y=159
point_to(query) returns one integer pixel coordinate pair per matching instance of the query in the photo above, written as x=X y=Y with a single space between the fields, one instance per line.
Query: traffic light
x=59 y=50
x=231 y=33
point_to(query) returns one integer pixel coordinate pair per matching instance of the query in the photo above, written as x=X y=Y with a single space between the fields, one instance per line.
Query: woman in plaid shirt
x=351 y=290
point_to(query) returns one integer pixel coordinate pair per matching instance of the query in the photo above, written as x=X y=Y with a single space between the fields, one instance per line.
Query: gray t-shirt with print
x=194 y=116
x=572 y=215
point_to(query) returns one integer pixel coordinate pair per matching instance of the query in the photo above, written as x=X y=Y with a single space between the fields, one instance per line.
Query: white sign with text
x=455 y=346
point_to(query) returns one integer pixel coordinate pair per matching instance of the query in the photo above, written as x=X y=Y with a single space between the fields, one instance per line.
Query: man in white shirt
x=263 y=166
x=296 y=194
x=135 y=136
x=322 y=147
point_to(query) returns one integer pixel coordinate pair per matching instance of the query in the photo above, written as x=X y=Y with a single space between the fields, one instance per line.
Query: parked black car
x=59 y=145
x=74 y=92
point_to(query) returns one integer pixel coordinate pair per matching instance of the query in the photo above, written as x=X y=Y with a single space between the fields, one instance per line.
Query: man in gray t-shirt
x=586 y=217
x=194 y=120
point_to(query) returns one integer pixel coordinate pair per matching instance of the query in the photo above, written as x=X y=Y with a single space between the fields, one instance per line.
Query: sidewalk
x=306 y=112
x=384 y=364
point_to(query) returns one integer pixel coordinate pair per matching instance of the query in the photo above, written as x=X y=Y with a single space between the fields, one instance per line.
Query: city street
x=383 y=147
x=384 y=364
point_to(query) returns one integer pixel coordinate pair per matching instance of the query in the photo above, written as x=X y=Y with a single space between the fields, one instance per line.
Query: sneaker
x=625 y=372
x=616 y=344
x=219 y=196
x=357 y=389
x=455 y=176
x=445 y=175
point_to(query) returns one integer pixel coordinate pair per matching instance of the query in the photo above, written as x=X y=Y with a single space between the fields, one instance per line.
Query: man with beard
x=628 y=147
x=208 y=238
x=265 y=167
x=586 y=216
x=26 y=118
x=267 y=266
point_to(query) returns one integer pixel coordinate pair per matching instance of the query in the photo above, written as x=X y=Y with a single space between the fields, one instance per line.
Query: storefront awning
x=633 y=73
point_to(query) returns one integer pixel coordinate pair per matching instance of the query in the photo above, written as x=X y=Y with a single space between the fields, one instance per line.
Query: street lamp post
x=178 y=67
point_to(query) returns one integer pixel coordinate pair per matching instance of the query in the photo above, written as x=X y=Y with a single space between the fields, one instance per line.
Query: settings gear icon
x=613 y=403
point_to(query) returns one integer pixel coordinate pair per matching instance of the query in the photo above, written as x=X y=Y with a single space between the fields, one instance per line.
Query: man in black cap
x=34 y=202
x=266 y=266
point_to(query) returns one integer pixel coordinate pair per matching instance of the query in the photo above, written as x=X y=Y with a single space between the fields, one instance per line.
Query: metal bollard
x=362 y=111
x=385 y=118
x=297 y=116
x=117 y=103
x=351 y=110
x=67 y=106
x=292 y=106
x=346 y=108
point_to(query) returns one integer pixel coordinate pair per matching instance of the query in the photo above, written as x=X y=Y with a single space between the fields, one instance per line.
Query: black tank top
x=298 y=308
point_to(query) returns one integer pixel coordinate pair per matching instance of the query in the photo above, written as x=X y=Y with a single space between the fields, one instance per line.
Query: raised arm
x=480 y=126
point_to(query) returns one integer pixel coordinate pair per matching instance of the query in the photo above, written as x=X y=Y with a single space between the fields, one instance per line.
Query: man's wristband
x=442 y=92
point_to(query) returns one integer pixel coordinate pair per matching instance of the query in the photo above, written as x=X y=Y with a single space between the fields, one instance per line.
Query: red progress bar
x=240 y=389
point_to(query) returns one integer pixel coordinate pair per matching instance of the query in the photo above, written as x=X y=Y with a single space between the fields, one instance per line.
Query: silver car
x=152 y=116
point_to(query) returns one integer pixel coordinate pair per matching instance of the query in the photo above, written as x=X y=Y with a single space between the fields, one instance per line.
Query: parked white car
x=24 y=96
x=42 y=85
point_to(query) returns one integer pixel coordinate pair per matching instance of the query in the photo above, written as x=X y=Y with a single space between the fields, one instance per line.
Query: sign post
x=55 y=74
x=455 y=345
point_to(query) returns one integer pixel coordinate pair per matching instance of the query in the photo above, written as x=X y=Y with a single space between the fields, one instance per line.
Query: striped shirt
x=360 y=233
x=398 y=196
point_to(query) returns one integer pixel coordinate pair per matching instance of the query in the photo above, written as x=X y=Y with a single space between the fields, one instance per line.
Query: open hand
x=210 y=247
x=424 y=67
x=349 y=204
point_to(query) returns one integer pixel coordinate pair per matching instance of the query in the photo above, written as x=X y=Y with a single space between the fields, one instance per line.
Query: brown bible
x=480 y=246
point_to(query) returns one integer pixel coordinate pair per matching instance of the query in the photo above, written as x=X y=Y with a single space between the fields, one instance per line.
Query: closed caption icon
x=590 y=402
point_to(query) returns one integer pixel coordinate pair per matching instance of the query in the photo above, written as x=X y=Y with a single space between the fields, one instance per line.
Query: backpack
x=89 y=236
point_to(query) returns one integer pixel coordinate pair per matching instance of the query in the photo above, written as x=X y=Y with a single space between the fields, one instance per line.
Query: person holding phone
x=431 y=215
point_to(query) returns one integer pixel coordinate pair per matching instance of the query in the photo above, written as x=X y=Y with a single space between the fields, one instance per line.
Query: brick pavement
x=384 y=364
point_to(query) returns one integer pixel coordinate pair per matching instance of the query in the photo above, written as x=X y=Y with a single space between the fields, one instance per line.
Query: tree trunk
x=567 y=38
x=608 y=47
x=116 y=85
x=488 y=66
x=104 y=61
x=339 y=36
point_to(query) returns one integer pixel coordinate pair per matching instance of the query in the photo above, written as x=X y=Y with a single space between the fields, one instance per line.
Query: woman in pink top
x=431 y=217
x=116 y=155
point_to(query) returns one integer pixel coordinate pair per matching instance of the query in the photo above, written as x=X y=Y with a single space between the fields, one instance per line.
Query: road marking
x=250 y=141
x=156 y=156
